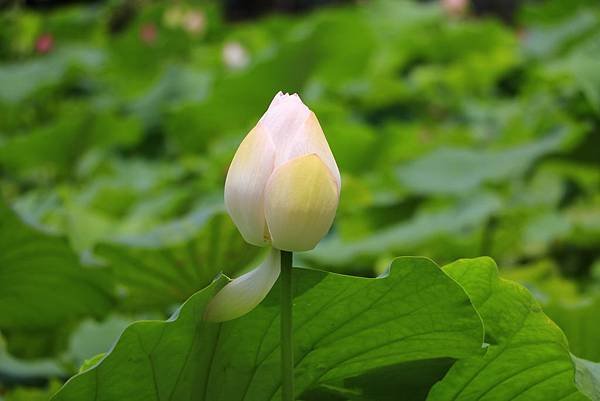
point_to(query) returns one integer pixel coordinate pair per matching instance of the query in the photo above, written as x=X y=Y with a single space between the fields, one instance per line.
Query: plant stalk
x=287 y=353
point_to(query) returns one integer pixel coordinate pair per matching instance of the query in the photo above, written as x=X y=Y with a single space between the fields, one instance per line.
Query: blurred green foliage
x=456 y=137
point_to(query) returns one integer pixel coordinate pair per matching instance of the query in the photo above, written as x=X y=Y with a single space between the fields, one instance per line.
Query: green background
x=457 y=136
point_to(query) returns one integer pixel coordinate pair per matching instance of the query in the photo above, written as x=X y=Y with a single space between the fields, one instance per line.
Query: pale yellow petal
x=244 y=293
x=307 y=140
x=300 y=203
x=247 y=177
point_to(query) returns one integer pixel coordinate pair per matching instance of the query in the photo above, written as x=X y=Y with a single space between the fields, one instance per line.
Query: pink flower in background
x=148 y=33
x=455 y=7
x=194 y=22
x=44 y=43
x=235 y=55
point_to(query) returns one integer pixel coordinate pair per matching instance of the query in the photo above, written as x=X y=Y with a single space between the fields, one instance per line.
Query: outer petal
x=300 y=203
x=245 y=185
x=284 y=118
x=244 y=293
x=310 y=139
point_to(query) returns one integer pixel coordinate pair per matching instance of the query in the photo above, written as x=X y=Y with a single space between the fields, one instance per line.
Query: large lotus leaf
x=527 y=357
x=344 y=326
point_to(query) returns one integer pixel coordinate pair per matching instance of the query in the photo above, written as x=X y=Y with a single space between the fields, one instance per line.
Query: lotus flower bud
x=283 y=184
x=282 y=189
